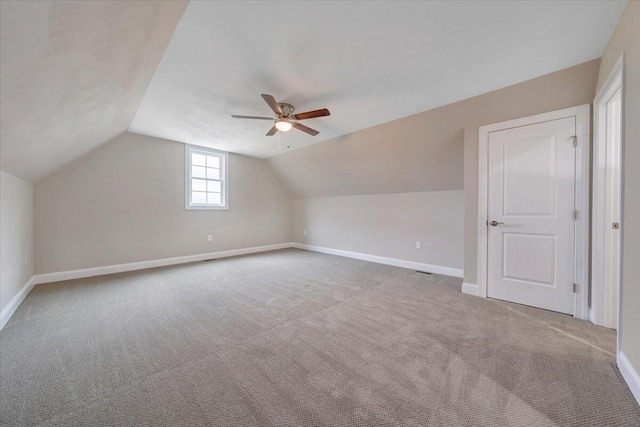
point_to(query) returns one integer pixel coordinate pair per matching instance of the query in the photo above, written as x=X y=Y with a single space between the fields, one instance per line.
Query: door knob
x=494 y=223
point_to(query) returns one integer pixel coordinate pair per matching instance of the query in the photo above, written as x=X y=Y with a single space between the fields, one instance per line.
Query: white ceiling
x=369 y=63
x=73 y=74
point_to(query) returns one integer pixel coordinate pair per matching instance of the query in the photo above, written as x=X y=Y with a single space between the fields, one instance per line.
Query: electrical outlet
x=26 y=258
x=210 y=238
x=14 y=263
x=305 y=232
x=418 y=245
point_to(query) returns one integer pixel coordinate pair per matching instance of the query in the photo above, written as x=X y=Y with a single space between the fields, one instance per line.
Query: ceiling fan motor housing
x=287 y=110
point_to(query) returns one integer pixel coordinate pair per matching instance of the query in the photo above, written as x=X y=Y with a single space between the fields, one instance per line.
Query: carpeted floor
x=291 y=338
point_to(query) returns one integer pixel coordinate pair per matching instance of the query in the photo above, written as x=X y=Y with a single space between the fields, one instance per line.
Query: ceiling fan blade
x=272 y=103
x=305 y=129
x=235 y=116
x=272 y=131
x=312 y=114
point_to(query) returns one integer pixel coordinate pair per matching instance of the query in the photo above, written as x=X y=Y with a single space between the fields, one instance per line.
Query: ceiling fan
x=285 y=118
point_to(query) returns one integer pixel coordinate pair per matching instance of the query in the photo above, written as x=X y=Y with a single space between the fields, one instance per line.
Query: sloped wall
x=436 y=150
x=124 y=202
x=74 y=74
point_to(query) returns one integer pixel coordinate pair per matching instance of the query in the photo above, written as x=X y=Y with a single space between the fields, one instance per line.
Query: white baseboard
x=630 y=375
x=15 y=302
x=132 y=266
x=470 y=289
x=412 y=265
x=58 y=276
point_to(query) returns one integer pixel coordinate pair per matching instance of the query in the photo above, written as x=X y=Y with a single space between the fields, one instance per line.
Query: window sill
x=206 y=208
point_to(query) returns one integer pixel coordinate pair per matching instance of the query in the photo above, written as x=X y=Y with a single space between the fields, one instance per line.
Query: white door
x=531 y=202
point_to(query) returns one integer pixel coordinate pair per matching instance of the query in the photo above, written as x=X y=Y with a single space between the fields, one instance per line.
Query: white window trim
x=188 y=149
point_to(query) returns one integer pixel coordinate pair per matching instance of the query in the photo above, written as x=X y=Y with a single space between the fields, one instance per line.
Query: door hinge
x=575 y=214
x=575 y=140
x=575 y=288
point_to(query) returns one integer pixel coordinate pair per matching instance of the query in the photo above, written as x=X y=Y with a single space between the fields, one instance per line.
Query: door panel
x=529 y=163
x=529 y=258
x=531 y=198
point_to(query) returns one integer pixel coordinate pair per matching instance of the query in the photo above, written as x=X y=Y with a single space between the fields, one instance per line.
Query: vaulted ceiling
x=75 y=74
x=368 y=62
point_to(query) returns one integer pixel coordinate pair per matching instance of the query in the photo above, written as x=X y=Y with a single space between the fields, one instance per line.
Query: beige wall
x=16 y=231
x=436 y=150
x=562 y=89
x=423 y=152
x=627 y=39
x=124 y=202
x=386 y=225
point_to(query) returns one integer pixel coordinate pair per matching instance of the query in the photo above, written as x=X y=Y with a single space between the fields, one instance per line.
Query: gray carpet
x=291 y=338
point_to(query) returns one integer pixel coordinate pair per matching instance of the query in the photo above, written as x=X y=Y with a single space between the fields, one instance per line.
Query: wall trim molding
x=470 y=289
x=629 y=374
x=412 y=265
x=142 y=265
x=15 y=302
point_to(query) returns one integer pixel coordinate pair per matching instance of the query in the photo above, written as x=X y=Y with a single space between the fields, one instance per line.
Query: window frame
x=224 y=178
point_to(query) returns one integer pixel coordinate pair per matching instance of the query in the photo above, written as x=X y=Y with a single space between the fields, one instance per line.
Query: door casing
x=582 y=115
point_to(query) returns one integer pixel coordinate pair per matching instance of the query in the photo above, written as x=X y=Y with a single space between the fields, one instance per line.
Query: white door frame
x=583 y=134
x=602 y=292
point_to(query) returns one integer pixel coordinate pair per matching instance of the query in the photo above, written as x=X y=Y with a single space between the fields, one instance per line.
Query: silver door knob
x=494 y=223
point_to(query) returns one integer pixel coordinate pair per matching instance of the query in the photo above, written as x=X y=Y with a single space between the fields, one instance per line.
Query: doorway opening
x=607 y=200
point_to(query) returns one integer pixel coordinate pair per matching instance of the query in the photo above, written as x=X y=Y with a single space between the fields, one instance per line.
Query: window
x=206 y=178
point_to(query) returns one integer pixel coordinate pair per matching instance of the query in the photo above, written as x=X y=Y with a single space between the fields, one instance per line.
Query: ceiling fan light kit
x=284 y=125
x=284 y=119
